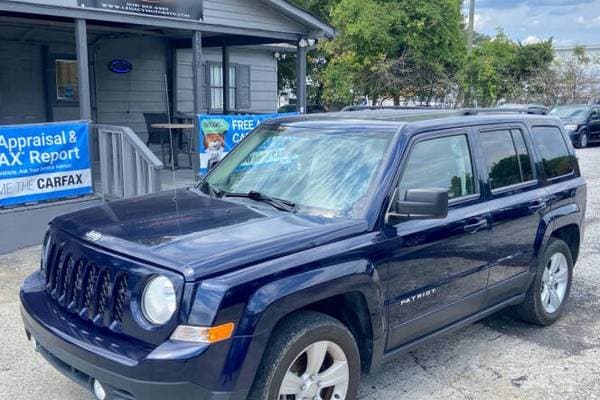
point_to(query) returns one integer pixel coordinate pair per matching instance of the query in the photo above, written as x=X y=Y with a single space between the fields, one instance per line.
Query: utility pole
x=471 y=30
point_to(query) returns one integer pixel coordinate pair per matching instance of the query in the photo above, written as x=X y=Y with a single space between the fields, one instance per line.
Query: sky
x=528 y=21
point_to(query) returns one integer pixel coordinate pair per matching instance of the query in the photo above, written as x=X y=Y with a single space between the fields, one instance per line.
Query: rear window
x=553 y=150
x=507 y=158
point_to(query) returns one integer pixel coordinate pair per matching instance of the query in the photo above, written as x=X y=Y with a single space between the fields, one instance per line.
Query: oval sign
x=120 y=66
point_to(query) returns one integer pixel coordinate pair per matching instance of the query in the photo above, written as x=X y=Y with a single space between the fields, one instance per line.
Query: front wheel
x=582 y=142
x=310 y=356
x=549 y=292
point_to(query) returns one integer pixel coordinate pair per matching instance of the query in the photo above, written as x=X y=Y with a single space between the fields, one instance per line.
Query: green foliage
x=393 y=48
x=500 y=69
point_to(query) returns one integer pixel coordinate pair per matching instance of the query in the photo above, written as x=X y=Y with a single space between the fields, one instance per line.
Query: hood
x=199 y=236
x=577 y=121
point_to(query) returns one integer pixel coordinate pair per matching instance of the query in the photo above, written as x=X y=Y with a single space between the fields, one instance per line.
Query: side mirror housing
x=421 y=204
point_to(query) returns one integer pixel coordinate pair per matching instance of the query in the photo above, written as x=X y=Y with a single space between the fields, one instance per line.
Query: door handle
x=476 y=226
x=537 y=206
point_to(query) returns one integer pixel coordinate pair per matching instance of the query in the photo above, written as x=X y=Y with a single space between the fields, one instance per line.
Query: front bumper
x=127 y=373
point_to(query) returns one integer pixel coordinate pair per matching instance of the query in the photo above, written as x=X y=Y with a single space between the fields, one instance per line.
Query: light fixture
x=303 y=43
x=277 y=55
x=312 y=42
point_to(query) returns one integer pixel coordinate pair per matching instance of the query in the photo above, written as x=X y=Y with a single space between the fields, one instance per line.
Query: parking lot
x=497 y=358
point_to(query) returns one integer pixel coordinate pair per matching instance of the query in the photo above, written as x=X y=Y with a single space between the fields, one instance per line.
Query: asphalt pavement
x=496 y=358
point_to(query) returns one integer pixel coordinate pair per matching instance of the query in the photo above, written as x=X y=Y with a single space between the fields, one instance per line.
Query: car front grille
x=92 y=291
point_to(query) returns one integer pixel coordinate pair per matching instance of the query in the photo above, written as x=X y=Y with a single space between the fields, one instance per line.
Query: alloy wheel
x=554 y=283
x=319 y=372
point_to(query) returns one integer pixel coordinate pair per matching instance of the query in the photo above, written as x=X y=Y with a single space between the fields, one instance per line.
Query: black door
x=437 y=268
x=517 y=201
x=595 y=124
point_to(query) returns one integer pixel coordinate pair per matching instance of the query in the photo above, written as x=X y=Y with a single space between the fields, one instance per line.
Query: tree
x=569 y=80
x=393 y=48
x=500 y=69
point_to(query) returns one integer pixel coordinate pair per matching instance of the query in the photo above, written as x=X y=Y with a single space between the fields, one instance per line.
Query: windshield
x=322 y=172
x=570 y=112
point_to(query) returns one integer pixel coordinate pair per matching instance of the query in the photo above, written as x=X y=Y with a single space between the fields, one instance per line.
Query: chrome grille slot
x=104 y=295
x=121 y=299
x=90 y=289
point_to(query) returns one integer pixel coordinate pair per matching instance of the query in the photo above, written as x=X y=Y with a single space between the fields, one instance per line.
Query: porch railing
x=127 y=167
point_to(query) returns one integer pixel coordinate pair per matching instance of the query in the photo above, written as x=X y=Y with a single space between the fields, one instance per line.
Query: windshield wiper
x=213 y=191
x=280 y=204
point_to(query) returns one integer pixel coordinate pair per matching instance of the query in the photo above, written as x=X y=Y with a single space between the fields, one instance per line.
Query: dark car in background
x=582 y=122
x=320 y=247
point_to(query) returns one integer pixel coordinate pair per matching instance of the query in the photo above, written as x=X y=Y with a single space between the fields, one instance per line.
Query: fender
x=277 y=299
x=568 y=214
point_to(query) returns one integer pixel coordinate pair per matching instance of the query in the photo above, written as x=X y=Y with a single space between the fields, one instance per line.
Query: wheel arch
x=350 y=292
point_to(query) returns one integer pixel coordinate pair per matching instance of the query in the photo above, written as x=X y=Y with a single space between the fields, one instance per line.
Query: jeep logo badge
x=93 y=236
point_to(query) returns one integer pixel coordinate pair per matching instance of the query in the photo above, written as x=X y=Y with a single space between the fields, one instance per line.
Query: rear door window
x=507 y=158
x=553 y=149
x=443 y=162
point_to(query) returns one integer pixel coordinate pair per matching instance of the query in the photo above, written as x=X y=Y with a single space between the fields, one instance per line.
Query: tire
x=287 y=353
x=583 y=140
x=535 y=309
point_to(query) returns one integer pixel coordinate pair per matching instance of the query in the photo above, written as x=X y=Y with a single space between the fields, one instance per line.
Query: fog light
x=99 y=391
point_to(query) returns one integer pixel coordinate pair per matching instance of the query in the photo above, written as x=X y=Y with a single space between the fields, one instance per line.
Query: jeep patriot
x=320 y=248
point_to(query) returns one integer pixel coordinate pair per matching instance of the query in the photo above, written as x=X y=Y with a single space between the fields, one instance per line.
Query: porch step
x=24 y=226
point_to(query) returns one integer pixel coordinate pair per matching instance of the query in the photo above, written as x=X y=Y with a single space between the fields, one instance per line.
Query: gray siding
x=21 y=84
x=248 y=14
x=263 y=84
x=122 y=99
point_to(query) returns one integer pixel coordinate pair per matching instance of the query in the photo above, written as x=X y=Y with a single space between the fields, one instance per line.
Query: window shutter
x=243 y=100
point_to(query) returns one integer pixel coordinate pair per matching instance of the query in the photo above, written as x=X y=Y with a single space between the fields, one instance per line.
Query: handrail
x=127 y=167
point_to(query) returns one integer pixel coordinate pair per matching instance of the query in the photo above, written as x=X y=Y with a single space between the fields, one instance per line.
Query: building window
x=67 y=81
x=216 y=86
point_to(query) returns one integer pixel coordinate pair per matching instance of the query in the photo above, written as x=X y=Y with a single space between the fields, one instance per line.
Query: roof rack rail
x=525 y=110
x=367 y=108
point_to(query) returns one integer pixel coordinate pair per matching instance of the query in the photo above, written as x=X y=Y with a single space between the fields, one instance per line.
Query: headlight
x=159 y=301
x=571 y=127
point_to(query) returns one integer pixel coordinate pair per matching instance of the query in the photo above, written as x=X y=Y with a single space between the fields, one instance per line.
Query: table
x=177 y=129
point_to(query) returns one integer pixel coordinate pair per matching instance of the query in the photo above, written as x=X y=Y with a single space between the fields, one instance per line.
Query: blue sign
x=219 y=134
x=44 y=161
x=120 y=66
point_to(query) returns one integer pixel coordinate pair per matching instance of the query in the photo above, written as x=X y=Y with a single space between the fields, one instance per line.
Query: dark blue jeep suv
x=322 y=246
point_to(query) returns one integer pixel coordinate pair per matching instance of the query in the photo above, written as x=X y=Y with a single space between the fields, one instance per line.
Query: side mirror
x=421 y=204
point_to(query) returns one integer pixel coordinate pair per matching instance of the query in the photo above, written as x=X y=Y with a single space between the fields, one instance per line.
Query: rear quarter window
x=553 y=150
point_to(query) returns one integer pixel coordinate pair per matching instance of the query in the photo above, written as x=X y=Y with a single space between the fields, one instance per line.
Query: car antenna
x=171 y=143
